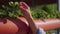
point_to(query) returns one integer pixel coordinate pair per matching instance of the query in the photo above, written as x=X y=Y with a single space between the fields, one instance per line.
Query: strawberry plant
x=10 y=11
x=50 y=10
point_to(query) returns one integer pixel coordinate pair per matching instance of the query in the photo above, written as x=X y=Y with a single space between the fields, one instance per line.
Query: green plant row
x=43 y=11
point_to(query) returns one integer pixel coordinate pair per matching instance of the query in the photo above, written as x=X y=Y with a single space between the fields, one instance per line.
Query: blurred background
x=39 y=9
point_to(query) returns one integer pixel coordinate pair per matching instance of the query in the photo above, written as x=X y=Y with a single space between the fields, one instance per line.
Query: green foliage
x=47 y=32
x=43 y=11
x=13 y=4
x=10 y=11
x=38 y=13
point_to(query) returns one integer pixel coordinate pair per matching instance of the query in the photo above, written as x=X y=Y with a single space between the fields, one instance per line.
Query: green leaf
x=16 y=3
x=11 y=3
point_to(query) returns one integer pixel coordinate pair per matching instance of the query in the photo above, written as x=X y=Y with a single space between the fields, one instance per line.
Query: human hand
x=25 y=9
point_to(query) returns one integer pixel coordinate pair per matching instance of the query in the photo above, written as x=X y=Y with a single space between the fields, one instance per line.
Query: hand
x=26 y=13
x=25 y=9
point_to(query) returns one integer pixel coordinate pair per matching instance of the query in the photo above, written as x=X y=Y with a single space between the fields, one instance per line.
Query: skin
x=26 y=13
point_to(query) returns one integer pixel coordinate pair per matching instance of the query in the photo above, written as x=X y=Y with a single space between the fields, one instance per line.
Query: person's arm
x=26 y=13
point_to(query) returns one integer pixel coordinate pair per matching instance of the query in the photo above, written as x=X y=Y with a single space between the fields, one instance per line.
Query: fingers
x=24 y=5
x=22 y=9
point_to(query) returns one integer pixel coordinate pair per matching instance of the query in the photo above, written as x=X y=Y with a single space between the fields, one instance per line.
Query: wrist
x=28 y=17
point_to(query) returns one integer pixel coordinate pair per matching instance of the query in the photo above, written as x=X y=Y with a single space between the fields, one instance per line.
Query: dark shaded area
x=58 y=30
x=3 y=20
x=29 y=2
x=41 y=2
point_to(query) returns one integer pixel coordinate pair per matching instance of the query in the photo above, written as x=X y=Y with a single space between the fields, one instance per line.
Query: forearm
x=50 y=26
x=32 y=24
